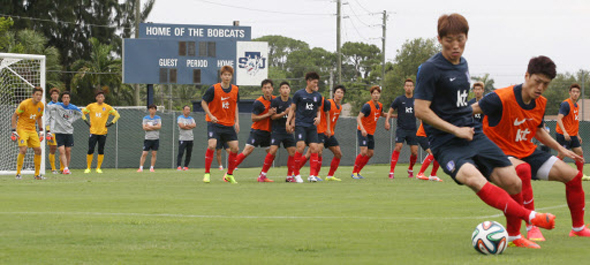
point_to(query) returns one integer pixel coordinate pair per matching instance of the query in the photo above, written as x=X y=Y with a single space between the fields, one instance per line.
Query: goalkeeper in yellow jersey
x=99 y=113
x=28 y=114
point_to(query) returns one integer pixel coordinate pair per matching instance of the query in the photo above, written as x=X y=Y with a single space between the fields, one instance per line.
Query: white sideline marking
x=267 y=217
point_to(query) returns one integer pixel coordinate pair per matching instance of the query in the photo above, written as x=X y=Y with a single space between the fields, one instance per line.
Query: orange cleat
x=140 y=170
x=585 y=232
x=544 y=220
x=422 y=177
x=535 y=234
x=264 y=179
x=523 y=243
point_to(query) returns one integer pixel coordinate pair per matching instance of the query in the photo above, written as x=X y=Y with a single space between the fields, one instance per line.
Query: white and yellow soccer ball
x=490 y=237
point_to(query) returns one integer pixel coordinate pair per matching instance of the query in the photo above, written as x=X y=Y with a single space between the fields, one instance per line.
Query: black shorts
x=259 y=138
x=286 y=138
x=331 y=141
x=66 y=140
x=536 y=160
x=423 y=141
x=481 y=152
x=409 y=136
x=367 y=141
x=221 y=145
x=221 y=133
x=151 y=145
x=322 y=138
x=573 y=143
x=307 y=134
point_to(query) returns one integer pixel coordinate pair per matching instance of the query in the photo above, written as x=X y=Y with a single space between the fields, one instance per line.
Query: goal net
x=19 y=74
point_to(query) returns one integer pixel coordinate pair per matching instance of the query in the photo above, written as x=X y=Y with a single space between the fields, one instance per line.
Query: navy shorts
x=367 y=141
x=481 y=152
x=221 y=133
x=151 y=145
x=574 y=143
x=307 y=134
x=331 y=141
x=259 y=138
x=536 y=160
x=409 y=136
x=276 y=138
x=221 y=145
x=66 y=140
x=423 y=141
x=322 y=138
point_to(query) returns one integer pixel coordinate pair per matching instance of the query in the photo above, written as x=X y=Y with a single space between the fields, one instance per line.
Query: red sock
x=313 y=164
x=413 y=159
x=303 y=161
x=434 y=168
x=319 y=167
x=239 y=159
x=296 y=166
x=357 y=163
x=334 y=166
x=394 y=157
x=580 y=166
x=231 y=163
x=524 y=173
x=576 y=199
x=499 y=199
x=513 y=223
x=290 y=163
x=208 y=159
x=426 y=163
x=364 y=162
x=267 y=162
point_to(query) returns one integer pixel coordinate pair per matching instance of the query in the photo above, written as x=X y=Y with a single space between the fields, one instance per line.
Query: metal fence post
x=117 y=145
x=173 y=130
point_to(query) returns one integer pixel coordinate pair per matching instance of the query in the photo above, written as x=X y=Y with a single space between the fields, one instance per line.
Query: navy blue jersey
x=307 y=107
x=278 y=125
x=446 y=86
x=366 y=109
x=564 y=108
x=210 y=93
x=405 y=112
x=491 y=105
x=258 y=107
x=477 y=117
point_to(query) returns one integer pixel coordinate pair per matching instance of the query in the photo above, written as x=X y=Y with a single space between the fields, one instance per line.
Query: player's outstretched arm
x=476 y=109
x=545 y=138
x=426 y=114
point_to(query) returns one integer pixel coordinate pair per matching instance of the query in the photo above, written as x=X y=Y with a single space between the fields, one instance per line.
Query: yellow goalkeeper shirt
x=99 y=114
x=28 y=113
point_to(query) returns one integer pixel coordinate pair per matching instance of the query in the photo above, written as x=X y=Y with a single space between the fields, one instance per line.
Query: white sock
x=532 y=216
x=141 y=167
x=151 y=167
x=578 y=229
x=66 y=168
x=512 y=238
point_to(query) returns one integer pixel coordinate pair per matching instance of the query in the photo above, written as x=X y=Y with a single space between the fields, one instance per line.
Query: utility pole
x=383 y=49
x=338 y=53
x=137 y=19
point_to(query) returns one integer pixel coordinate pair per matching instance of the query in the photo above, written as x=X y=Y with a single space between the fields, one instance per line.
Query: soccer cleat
x=40 y=177
x=298 y=179
x=435 y=178
x=99 y=171
x=67 y=172
x=584 y=232
x=54 y=172
x=359 y=176
x=184 y=168
x=535 y=234
x=178 y=168
x=312 y=179
x=544 y=220
x=422 y=177
x=220 y=167
x=290 y=179
x=152 y=170
x=410 y=173
x=523 y=243
x=332 y=178
x=18 y=177
x=139 y=170
x=207 y=178
x=391 y=175
x=585 y=178
x=264 y=179
x=86 y=171
x=230 y=179
x=318 y=178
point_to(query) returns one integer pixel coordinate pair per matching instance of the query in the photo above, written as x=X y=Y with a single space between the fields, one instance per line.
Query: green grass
x=171 y=217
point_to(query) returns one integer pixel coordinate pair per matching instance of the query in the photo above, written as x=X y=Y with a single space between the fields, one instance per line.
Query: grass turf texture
x=171 y=217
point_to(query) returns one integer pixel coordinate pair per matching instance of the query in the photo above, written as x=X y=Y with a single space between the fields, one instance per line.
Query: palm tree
x=487 y=81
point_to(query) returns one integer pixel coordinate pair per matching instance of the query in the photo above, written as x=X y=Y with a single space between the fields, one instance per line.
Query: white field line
x=266 y=217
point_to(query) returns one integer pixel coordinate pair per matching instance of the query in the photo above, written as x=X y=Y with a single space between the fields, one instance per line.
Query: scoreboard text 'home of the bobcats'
x=193 y=54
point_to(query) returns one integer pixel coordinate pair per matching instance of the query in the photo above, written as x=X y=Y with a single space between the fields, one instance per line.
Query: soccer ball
x=489 y=237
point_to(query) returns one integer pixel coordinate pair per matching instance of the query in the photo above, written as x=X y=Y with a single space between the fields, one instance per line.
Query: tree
x=362 y=57
x=280 y=47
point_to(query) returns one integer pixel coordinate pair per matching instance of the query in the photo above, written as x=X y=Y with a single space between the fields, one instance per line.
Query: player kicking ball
x=28 y=114
x=456 y=140
x=513 y=117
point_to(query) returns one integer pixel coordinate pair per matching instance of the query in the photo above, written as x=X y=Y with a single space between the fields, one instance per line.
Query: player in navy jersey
x=406 y=127
x=478 y=89
x=457 y=141
x=322 y=136
x=303 y=119
x=279 y=133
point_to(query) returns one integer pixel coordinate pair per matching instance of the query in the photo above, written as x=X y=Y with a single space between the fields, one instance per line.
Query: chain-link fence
x=125 y=142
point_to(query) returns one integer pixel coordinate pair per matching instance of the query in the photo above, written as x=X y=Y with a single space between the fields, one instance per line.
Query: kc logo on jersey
x=252 y=62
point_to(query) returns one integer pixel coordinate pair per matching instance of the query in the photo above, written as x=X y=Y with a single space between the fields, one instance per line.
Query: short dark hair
x=284 y=83
x=542 y=65
x=226 y=68
x=409 y=80
x=65 y=93
x=37 y=88
x=266 y=81
x=452 y=24
x=153 y=106
x=575 y=85
x=312 y=76
x=98 y=93
x=186 y=106
x=341 y=87
x=373 y=88
x=54 y=90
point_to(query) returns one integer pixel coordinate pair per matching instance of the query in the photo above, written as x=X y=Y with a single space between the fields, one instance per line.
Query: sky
x=503 y=34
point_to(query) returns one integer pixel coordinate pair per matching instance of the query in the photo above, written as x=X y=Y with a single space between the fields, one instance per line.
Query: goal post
x=19 y=74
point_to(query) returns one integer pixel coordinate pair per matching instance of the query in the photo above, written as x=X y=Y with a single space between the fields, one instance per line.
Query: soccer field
x=171 y=217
